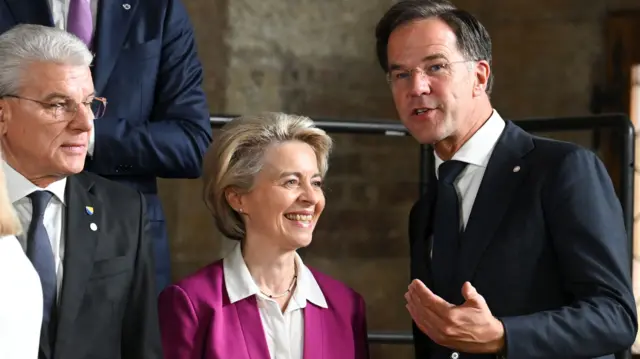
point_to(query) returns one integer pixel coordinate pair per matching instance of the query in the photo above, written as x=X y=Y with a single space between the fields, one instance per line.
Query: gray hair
x=27 y=43
x=235 y=158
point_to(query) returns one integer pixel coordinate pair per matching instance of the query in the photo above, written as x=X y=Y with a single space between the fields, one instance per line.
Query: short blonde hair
x=235 y=158
x=9 y=224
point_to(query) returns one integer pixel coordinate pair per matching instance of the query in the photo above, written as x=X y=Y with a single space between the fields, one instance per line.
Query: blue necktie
x=446 y=227
x=40 y=253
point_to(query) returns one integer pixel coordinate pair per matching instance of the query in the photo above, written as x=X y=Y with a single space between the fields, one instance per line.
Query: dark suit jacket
x=108 y=304
x=546 y=246
x=157 y=119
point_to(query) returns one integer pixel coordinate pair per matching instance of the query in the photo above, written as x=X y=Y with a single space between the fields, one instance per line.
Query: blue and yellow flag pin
x=89 y=210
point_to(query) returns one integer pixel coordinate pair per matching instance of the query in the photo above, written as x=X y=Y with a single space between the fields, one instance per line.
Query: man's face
x=40 y=137
x=432 y=82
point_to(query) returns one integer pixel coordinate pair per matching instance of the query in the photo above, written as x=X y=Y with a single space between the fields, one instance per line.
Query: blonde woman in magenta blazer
x=263 y=184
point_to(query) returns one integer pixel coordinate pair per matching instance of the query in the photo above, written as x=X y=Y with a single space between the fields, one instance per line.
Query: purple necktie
x=79 y=21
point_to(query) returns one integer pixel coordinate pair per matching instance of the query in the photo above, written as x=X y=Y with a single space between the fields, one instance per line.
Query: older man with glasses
x=85 y=236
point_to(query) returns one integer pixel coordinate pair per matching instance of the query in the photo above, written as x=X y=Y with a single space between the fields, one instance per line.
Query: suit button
x=455 y=355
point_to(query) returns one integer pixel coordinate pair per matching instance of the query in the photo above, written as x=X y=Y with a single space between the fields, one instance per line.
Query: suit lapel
x=83 y=214
x=504 y=173
x=251 y=324
x=30 y=11
x=421 y=235
x=314 y=330
x=114 y=20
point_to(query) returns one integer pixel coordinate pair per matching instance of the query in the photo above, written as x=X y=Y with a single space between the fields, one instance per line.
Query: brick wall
x=317 y=58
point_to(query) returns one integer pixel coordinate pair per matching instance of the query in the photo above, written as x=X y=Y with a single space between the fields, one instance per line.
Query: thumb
x=472 y=296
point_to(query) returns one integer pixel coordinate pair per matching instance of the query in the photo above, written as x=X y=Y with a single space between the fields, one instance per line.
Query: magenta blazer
x=197 y=321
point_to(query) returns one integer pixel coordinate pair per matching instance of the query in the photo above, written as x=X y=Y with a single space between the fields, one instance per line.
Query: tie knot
x=450 y=170
x=39 y=201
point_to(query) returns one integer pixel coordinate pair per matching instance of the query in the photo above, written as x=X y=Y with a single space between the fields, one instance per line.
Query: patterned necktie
x=40 y=253
x=446 y=227
x=79 y=21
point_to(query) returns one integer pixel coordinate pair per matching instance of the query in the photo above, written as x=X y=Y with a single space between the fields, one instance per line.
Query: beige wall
x=317 y=58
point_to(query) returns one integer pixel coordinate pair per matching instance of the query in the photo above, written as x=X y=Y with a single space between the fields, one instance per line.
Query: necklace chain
x=274 y=296
x=293 y=282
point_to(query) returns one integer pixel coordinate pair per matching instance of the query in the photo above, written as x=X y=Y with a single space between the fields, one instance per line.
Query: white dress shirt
x=19 y=188
x=59 y=12
x=476 y=152
x=20 y=303
x=284 y=331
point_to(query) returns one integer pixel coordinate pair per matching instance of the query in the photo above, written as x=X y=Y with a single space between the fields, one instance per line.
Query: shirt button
x=455 y=355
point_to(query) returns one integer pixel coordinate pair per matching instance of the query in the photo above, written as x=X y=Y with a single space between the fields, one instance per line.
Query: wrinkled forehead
x=42 y=79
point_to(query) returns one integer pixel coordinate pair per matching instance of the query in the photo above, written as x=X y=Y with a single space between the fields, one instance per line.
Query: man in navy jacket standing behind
x=146 y=66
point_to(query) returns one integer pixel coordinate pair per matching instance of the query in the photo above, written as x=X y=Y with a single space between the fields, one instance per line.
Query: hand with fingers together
x=469 y=327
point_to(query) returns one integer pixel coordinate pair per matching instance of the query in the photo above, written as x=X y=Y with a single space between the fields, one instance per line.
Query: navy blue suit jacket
x=157 y=119
x=547 y=248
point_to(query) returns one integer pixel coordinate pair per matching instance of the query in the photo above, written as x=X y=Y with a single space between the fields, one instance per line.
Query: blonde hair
x=235 y=158
x=9 y=223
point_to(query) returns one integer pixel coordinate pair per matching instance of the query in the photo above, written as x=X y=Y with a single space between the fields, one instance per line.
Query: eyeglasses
x=434 y=70
x=69 y=108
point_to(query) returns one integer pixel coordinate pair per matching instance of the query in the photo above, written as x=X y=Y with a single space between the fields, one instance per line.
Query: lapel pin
x=93 y=227
x=89 y=210
x=126 y=6
x=516 y=169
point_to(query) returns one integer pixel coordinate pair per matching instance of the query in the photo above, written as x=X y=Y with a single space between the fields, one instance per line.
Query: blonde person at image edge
x=21 y=293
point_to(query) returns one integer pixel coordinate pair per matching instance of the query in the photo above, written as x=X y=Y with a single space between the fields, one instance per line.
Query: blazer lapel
x=251 y=324
x=114 y=20
x=504 y=173
x=30 y=11
x=421 y=236
x=83 y=220
x=314 y=329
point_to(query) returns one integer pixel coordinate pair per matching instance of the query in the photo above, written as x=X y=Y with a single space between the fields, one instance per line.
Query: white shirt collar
x=19 y=187
x=477 y=150
x=240 y=284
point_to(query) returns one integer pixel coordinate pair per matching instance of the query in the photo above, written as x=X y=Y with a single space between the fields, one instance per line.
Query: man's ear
x=4 y=117
x=482 y=74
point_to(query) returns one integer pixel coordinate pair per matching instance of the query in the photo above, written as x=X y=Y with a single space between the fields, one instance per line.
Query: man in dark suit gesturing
x=518 y=248
x=86 y=236
x=157 y=122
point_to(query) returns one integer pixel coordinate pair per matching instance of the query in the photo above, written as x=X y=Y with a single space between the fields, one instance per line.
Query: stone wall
x=317 y=58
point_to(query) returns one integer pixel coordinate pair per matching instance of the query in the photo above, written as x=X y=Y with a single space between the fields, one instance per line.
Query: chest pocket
x=141 y=51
